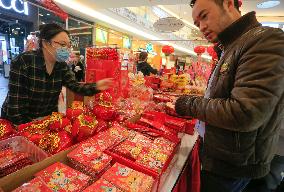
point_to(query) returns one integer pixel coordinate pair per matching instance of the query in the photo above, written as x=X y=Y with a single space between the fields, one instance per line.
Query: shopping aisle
x=3 y=89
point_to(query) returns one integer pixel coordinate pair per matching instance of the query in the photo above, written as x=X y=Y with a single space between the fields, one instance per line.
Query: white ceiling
x=102 y=4
x=275 y=14
x=182 y=8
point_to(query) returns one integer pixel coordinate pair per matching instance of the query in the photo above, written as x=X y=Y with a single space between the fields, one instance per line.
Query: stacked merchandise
x=104 y=62
x=11 y=161
x=58 y=132
x=17 y=153
x=57 y=177
x=89 y=157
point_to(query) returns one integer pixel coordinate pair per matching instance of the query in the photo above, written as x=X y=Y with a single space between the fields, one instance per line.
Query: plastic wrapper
x=84 y=127
x=55 y=142
x=35 y=185
x=16 y=153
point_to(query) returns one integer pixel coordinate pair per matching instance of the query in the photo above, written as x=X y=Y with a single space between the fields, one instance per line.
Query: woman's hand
x=104 y=84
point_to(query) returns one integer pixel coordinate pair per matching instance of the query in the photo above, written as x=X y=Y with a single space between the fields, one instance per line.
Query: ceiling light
x=268 y=4
x=104 y=18
x=18 y=28
x=40 y=15
x=47 y=14
x=42 y=22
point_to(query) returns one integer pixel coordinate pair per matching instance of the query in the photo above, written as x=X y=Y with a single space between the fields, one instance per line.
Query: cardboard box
x=26 y=174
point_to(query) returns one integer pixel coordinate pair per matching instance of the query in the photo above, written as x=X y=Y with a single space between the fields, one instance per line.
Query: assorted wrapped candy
x=84 y=127
x=58 y=122
x=103 y=108
x=76 y=109
x=55 y=142
x=61 y=178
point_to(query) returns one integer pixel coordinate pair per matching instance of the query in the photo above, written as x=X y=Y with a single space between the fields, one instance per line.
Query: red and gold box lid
x=61 y=178
x=128 y=179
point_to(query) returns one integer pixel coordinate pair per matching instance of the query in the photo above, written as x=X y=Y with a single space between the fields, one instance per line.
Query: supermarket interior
x=142 y=96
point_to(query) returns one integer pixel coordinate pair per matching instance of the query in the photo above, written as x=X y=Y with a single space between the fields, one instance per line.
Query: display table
x=169 y=180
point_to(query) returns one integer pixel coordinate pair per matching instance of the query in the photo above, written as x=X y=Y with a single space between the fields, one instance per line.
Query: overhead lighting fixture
x=42 y=22
x=47 y=14
x=268 y=4
x=40 y=15
x=18 y=28
x=104 y=18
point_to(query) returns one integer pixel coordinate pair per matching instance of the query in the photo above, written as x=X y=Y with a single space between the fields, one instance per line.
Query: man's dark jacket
x=146 y=68
x=245 y=108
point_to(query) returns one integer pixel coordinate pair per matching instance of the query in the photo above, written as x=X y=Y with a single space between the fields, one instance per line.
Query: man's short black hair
x=218 y=2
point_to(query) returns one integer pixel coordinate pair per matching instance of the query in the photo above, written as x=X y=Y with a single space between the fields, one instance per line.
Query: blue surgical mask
x=62 y=54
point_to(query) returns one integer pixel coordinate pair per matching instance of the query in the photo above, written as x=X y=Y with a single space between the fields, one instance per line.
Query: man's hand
x=104 y=84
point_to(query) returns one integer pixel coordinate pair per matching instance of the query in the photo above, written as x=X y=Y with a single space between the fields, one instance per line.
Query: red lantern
x=199 y=50
x=240 y=3
x=167 y=49
x=210 y=50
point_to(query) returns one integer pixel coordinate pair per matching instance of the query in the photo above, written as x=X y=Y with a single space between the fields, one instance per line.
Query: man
x=145 y=67
x=244 y=103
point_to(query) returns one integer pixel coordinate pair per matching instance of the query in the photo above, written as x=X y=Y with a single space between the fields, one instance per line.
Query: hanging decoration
x=168 y=24
x=167 y=50
x=199 y=50
x=49 y=4
x=212 y=53
x=240 y=3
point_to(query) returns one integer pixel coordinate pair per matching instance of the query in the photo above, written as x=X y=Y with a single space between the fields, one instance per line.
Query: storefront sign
x=18 y=6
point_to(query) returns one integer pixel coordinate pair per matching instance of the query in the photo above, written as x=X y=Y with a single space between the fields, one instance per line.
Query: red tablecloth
x=190 y=178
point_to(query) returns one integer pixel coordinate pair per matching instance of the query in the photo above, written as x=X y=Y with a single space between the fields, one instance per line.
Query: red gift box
x=35 y=185
x=154 y=158
x=128 y=149
x=142 y=140
x=164 y=144
x=90 y=162
x=61 y=178
x=102 y=186
x=128 y=179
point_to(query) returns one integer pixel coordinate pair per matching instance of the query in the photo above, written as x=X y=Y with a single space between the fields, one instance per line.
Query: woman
x=145 y=67
x=37 y=77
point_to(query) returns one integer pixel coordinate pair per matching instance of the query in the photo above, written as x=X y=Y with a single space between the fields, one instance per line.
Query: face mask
x=62 y=54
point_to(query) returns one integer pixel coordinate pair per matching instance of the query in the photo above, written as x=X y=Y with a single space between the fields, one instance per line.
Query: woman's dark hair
x=48 y=31
x=143 y=56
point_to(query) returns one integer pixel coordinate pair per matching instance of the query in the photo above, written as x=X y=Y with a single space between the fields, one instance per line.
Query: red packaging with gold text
x=128 y=179
x=61 y=178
